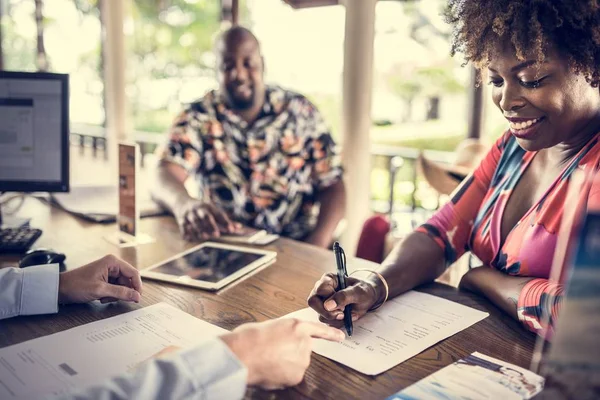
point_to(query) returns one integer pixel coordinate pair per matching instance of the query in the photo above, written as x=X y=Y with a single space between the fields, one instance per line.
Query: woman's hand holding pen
x=329 y=303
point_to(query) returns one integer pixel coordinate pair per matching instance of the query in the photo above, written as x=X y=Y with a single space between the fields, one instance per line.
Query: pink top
x=471 y=221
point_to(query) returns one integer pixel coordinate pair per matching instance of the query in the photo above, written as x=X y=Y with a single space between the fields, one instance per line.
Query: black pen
x=342 y=273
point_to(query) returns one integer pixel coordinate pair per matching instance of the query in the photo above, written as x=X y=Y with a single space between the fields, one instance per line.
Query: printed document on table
x=475 y=377
x=402 y=328
x=91 y=353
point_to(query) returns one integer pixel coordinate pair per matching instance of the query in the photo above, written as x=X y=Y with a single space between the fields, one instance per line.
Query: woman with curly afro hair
x=542 y=60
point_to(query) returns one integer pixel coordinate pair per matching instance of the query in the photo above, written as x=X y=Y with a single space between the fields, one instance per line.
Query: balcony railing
x=94 y=137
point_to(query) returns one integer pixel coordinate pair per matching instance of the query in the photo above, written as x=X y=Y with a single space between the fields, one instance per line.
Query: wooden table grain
x=268 y=293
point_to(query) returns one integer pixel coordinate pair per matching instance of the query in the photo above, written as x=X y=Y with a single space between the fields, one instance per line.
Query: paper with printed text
x=89 y=354
x=402 y=328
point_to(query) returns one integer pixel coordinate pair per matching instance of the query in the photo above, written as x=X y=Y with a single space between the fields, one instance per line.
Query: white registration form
x=402 y=328
x=91 y=353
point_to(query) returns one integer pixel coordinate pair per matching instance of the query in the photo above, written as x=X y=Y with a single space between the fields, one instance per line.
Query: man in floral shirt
x=262 y=155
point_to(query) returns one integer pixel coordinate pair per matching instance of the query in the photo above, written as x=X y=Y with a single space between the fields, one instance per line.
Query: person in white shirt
x=271 y=355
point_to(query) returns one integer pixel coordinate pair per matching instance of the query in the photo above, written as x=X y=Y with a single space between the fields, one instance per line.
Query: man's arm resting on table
x=208 y=371
x=333 y=209
x=168 y=187
x=29 y=291
x=197 y=220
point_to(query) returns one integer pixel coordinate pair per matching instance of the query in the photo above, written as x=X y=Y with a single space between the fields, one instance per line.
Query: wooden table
x=270 y=293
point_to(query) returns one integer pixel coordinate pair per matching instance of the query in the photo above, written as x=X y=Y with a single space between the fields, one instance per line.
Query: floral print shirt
x=265 y=174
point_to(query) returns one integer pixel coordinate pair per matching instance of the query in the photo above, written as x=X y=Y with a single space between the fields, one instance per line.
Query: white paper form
x=402 y=328
x=91 y=353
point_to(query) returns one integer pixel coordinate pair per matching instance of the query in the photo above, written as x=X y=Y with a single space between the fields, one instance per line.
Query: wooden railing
x=94 y=137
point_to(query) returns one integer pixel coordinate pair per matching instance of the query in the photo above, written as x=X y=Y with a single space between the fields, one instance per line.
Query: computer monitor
x=34 y=132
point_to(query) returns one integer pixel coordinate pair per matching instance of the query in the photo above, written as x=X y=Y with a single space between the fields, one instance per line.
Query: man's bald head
x=240 y=68
x=235 y=37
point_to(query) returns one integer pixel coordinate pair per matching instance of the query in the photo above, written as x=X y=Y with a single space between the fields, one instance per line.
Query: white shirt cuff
x=39 y=293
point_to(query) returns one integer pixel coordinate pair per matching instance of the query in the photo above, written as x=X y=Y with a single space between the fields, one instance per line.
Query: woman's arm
x=421 y=257
x=501 y=289
x=425 y=253
x=529 y=300
x=418 y=259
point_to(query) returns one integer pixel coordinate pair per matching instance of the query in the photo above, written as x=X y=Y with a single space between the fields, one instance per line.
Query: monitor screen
x=34 y=132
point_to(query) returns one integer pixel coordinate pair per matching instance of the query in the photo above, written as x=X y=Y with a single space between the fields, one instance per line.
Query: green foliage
x=154 y=121
x=87 y=7
x=330 y=107
x=18 y=52
x=174 y=32
x=439 y=80
x=408 y=83
x=406 y=89
x=441 y=143
x=171 y=40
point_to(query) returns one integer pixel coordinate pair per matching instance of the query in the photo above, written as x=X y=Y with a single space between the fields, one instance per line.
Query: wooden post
x=235 y=12
x=356 y=114
x=475 y=106
x=230 y=11
x=41 y=58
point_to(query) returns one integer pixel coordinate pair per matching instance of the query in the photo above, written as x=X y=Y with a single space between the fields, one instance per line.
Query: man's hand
x=199 y=221
x=277 y=353
x=107 y=279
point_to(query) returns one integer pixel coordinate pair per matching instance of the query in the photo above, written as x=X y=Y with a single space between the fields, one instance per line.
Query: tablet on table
x=209 y=265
